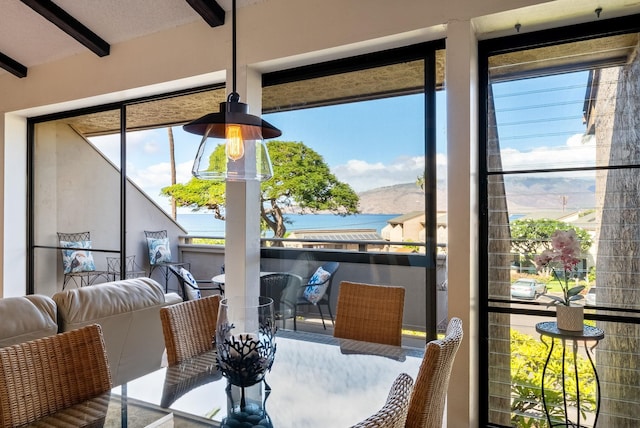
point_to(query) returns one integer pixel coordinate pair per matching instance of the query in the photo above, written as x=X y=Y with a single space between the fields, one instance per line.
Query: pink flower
x=567 y=248
x=544 y=259
x=566 y=252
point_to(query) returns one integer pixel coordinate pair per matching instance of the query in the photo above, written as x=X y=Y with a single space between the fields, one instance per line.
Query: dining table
x=316 y=380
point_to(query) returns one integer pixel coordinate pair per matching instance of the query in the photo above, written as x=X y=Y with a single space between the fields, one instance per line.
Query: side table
x=550 y=330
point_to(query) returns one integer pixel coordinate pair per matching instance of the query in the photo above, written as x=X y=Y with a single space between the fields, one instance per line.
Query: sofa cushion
x=129 y=314
x=26 y=318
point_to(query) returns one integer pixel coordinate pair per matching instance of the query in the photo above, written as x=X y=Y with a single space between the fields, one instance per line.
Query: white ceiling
x=28 y=38
x=31 y=40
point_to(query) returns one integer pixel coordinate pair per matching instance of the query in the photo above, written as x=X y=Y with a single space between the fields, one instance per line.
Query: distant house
x=584 y=219
x=337 y=239
x=410 y=228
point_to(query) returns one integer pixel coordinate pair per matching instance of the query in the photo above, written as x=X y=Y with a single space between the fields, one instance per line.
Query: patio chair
x=370 y=313
x=190 y=287
x=132 y=270
x=41 y=377
x=159 y=248
x=316 y=292
x=274 y=285
x=426 y=407
x=189 y=327
x=77 y=261
x=394 y=412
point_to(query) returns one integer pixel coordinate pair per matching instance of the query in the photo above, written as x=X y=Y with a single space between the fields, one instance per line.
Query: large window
x=101 y=171
x=561 y=152
x=376 y=186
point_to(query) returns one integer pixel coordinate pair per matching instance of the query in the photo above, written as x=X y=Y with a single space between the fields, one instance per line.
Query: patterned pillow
x=159 y=250
x=317 y=285
x=77 y=260
x=192 y=293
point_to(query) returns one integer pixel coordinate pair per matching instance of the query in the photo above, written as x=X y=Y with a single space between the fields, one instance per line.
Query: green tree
x=527 y=363
x=531 y=236
x=301 y=182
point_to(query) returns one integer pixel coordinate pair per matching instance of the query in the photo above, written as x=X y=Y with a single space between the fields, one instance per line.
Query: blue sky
x=367 y=144
x=380 y=143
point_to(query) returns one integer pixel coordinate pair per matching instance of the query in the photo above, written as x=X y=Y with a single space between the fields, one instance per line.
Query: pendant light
x=245 y=153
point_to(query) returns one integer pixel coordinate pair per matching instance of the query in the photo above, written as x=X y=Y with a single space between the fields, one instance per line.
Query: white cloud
x=578 y=150
x=362 y=175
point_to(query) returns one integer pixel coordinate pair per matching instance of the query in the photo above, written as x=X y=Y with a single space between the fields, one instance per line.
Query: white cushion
x=77 y=260
x=192 y=293
x=317 y=285
x=159 y=250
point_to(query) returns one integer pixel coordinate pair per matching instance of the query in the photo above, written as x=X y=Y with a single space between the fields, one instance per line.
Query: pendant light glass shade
x=232 y=146
x=244 y=155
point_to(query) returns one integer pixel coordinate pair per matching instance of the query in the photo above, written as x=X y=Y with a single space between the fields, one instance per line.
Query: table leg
x=544 y=371
x=575 y=369
x=589 y=351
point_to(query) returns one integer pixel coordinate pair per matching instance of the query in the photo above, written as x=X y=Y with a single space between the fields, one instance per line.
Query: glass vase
x=245 y=349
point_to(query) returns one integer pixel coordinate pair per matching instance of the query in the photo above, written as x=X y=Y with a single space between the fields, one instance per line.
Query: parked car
x=526 y=288
x=590 y=297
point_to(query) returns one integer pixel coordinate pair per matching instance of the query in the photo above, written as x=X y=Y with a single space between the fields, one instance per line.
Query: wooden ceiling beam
x=12 y=66
x=209 y=10
x=67 y=23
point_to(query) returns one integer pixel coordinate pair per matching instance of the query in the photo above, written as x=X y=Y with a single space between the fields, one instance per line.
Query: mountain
x=526 y=194
x=401 y=198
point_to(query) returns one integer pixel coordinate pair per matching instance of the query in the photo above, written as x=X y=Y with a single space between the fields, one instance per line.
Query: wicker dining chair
x=189 y=327
x=371 y=313
x=394 y=412
x=43 y=376
x=426 y=407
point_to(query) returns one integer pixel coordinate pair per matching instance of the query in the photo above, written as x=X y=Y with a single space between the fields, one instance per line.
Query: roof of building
x=338 y=235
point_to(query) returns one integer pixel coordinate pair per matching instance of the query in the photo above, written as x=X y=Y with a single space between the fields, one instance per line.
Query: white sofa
x=127 y=310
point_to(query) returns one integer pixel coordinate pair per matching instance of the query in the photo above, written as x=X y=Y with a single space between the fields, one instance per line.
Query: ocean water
x=207 y=225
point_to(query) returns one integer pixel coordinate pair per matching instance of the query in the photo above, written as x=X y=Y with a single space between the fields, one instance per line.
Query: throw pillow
x=317 y=285
x=159 y=250
x=191 y=285
x=77 y=259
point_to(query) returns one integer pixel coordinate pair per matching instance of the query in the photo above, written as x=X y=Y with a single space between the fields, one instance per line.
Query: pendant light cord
x=233 y=96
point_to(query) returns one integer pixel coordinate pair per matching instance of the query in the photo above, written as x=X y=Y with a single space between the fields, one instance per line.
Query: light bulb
x=235 y=143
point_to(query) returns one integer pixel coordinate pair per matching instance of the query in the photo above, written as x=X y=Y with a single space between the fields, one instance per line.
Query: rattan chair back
x=394 y=412
x=426 y=408
x=189 y=327
x=371 y=313
x=43 y=376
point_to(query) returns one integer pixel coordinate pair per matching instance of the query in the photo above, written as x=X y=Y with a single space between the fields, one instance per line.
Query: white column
x=242 y=245
x=462 y=211
x=13 y=157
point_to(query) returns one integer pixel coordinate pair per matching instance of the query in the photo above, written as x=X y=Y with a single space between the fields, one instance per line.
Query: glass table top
x=316 y=381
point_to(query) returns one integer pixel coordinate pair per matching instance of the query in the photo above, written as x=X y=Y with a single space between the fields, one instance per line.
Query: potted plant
x=564 y=255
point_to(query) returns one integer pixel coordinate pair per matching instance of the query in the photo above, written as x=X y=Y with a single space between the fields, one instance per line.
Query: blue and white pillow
x=77 y=259
x=193 y=292
x=159 y=250
x=317 y=285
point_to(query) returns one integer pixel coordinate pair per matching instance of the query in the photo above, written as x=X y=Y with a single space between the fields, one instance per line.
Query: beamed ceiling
x=34 y=32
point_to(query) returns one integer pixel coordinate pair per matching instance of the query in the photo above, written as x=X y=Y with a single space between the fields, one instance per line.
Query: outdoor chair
x=159 y=249
x=132 y=270
x=426 y=407
x=190 y=287
x=77 y=262
x=274 y=285
x=41 y=377
x=370 y=313
x=189 y=327
x=394 y=412
x=316 y=292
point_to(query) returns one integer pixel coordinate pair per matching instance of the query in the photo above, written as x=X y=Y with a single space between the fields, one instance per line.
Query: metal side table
x=588 y=334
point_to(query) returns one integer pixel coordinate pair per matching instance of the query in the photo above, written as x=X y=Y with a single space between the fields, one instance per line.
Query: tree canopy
x=532 y=236
x=301 y=181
